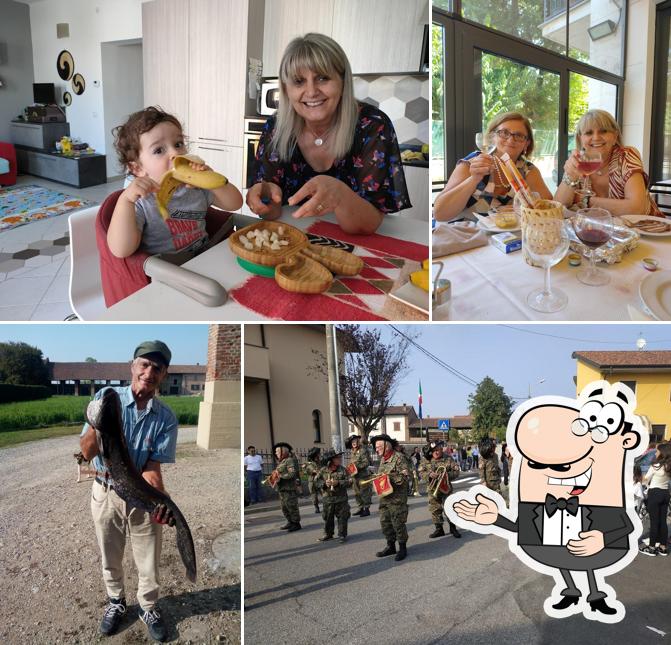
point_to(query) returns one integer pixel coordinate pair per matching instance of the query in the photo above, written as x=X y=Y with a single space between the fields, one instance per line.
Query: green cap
x=154 y=347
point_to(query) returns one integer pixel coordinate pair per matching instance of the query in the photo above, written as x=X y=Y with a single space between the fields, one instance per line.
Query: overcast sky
x=515 y=356
x=72 y=342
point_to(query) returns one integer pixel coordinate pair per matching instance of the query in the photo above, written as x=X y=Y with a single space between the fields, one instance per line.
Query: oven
x=252 y=135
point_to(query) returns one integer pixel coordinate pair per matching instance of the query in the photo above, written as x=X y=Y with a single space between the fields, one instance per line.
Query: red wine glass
x=588 y=163
x=594 y=227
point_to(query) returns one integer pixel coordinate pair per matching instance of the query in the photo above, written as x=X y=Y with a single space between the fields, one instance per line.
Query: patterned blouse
x=624 y=162
x=481 y=201
x=372 y=168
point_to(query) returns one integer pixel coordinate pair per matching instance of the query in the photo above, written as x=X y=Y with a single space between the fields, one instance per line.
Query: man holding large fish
x=129 y=435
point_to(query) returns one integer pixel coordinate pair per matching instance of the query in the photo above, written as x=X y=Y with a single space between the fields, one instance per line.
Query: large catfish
x=104 y=415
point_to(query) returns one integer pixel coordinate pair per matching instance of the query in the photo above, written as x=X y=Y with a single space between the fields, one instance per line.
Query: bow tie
x=552 y=504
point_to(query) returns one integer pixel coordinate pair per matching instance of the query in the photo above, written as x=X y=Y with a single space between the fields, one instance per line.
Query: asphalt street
x=467 y=591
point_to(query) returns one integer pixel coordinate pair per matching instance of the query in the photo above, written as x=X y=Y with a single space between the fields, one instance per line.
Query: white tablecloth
x=487 y=284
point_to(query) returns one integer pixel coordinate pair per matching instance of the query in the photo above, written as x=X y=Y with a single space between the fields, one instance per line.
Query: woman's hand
x=571 y=169
x=325 y=195
x=481 y=165
x=265 y=199
x=139 y=188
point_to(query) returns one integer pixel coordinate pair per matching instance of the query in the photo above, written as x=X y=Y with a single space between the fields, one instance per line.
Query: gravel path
x=50 y=562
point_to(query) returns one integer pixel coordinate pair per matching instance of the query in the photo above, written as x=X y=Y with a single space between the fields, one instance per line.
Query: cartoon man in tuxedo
x=571 y=488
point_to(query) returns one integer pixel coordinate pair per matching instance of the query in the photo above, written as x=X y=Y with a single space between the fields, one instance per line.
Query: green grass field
x=64 y=410
x=14 y=437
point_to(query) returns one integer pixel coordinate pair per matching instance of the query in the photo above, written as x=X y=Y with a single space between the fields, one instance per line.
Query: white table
x=488 y=284
x=157 y=301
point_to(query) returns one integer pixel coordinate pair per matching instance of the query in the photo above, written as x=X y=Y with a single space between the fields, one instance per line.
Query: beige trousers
x=113 y=519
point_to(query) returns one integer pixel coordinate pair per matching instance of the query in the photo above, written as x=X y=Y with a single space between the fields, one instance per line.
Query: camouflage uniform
x=436 y=502
x=362 y=494
x=311 y=468
x=334 y=502
x=286 y=487
x=490 y=472
x=394 y=507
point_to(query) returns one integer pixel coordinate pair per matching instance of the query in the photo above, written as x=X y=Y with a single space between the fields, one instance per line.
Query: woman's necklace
x=318 y=139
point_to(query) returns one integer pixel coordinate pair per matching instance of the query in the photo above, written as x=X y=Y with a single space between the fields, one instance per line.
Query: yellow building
x=648 y=373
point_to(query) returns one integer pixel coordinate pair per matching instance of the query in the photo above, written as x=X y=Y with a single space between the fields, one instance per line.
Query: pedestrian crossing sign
x=444 y=424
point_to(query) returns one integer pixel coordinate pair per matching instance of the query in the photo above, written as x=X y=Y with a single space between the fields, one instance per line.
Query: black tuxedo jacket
x=613 y=522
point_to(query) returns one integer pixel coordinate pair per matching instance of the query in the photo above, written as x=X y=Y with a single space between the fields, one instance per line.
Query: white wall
x=91 y=23
x=122 y=92
x=639 y=76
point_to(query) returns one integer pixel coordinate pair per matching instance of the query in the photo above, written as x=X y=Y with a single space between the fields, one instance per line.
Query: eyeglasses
x=506 y=134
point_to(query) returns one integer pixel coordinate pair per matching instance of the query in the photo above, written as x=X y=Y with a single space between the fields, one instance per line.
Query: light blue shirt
x=151 y=434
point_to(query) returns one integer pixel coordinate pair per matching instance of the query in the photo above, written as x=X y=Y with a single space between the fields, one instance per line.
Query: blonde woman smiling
x=620 y=184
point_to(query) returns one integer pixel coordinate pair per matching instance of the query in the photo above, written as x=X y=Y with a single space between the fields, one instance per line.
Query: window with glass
x=489 y=61
x=661 y=144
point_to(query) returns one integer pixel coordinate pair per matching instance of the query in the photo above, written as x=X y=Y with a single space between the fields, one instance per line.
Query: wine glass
x=546 y=241
x=594 y=227
x=483 y=142
x=588 y=163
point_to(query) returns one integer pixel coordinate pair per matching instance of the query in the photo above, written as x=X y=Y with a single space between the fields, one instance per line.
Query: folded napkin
x=457 y=237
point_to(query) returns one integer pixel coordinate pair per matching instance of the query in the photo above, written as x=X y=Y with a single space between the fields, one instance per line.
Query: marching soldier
x=332 y=481
x=393 y=506
x=362 y=493
x=311 y=468
x=438 y=471
x=288 y=471
x=490 y=471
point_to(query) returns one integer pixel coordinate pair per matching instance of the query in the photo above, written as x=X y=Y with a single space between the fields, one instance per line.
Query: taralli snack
x=182 y=173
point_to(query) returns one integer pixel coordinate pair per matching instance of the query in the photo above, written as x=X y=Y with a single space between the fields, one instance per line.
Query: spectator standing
x=254 y=472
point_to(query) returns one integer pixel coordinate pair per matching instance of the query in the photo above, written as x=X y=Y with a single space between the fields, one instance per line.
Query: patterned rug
x=21 y=205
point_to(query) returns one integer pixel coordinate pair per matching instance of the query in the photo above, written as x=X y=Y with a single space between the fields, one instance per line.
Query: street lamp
x=537 y=383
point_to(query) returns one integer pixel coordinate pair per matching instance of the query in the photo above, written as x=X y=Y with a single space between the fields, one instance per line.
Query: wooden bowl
x=335 y=260
x=266 y=257
x=301 y=274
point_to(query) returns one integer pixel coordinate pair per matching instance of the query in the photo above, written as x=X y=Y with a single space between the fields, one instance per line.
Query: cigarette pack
x=507 y=242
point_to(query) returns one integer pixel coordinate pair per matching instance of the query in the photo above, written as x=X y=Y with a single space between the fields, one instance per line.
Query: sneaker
x=662 y=551
x=647 y=550
x=112 y=617
x=152 y=619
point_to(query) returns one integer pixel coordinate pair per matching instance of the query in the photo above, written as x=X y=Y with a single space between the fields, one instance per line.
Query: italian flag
x=420 y=399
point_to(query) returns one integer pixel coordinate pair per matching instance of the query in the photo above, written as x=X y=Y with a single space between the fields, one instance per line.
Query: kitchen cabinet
x=286 y=19
x=381 y=36
x=217 y=70
x=165 y=57
x=226 y=160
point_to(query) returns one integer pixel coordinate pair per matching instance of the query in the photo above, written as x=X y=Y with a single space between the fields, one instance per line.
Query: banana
x=182 y=173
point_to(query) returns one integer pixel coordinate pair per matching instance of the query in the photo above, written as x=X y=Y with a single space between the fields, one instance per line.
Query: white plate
x=413 y=296
x=484 y=226
x=638 y=218
x=655 y=291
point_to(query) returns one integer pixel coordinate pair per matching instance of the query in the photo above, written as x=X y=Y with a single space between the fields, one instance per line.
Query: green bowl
x=257 y=269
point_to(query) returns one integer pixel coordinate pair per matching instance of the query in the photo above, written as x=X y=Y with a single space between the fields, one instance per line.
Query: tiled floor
x=36 y=287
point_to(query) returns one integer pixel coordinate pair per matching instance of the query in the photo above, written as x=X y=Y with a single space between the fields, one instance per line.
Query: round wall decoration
x=78 y=84
x=65 y=65
x=67 y=98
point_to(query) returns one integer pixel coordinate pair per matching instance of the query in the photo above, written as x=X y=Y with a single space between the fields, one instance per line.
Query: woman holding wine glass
x=478 y=181
x=602 y=172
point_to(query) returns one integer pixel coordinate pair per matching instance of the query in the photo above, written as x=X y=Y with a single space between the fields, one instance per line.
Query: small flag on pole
x=420 y=399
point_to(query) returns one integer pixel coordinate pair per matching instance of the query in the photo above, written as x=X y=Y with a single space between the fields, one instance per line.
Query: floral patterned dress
x=372 y=168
